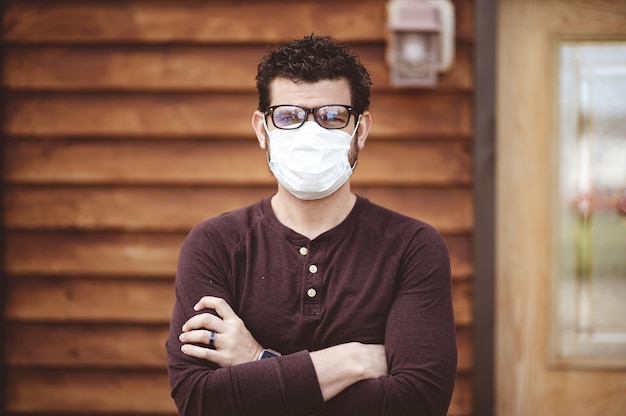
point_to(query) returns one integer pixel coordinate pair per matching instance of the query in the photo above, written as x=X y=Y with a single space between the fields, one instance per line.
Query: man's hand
x=343 y=365
x=233 y=343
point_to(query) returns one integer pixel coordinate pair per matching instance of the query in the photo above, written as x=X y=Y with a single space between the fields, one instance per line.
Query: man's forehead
x=335 y=91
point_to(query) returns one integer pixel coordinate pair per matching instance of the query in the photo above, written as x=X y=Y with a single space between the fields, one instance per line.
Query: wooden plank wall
x=126 y=122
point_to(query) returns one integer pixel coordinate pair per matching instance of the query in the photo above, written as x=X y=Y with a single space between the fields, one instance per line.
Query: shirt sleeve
x=284 y=385
x=420 y=341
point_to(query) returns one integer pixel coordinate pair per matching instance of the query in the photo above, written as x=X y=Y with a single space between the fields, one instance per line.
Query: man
x=313 y=301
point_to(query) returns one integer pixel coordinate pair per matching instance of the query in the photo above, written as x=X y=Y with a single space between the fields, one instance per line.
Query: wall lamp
x=420 y=41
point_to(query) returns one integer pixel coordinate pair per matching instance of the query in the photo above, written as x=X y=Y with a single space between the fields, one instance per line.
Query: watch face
x=268 y=354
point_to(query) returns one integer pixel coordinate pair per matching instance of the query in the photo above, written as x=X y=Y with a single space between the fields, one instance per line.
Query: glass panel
x=590 y=292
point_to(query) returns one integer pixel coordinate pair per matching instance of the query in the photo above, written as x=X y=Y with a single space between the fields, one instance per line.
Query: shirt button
x=303 y=251
x=311 y=292
x=313 y=268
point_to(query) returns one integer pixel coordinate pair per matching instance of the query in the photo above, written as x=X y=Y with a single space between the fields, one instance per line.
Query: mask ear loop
x=358 y=121
x=265 y=125
x=356 y=128
x=267 y=137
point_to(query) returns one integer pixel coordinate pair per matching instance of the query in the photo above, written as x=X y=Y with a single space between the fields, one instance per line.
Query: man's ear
x=364 y=128
x=259 y=128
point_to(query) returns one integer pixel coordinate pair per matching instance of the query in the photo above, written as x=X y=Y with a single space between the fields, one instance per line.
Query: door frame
x=485 y=13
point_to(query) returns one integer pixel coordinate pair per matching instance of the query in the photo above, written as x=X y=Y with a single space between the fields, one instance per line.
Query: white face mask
x=311 y=162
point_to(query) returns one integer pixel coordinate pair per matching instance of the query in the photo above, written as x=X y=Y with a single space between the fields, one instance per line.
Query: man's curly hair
x=312 y=59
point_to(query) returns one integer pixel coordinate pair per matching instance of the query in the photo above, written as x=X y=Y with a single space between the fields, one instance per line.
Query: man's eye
x=336 y=117
x=333 y=118
x=288 y=117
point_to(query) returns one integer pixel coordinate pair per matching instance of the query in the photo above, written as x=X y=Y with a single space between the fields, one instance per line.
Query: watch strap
x=268 y=353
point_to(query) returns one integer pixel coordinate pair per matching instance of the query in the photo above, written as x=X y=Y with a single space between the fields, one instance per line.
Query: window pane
x=590 y=317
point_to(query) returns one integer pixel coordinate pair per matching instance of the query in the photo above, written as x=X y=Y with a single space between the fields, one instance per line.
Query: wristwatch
x=268 y=353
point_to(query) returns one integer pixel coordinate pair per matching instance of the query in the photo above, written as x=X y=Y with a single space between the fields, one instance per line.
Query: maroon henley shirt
x=378 y=277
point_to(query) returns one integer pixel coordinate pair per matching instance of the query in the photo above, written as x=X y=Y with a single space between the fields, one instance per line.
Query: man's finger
x=204 y=321
x=199 y=352
x=220 y=306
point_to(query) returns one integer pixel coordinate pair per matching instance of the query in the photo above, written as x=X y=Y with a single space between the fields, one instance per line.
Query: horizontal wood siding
x=114 y=149
x=195 y=68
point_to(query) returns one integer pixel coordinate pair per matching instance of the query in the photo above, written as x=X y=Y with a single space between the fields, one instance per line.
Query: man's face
x=312 y=95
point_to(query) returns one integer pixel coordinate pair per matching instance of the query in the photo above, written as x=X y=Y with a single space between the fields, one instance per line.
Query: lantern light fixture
x=420 y=41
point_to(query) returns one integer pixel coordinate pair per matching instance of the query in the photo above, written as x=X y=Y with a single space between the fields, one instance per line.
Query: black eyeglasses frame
x=307 y=111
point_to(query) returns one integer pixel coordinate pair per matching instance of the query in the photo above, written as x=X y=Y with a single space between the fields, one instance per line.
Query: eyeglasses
x=288 y=117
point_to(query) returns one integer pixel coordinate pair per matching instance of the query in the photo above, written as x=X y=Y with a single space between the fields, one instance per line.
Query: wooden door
x=528 y=381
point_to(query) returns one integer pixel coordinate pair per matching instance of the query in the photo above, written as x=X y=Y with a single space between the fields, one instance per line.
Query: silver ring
x=212 y=336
